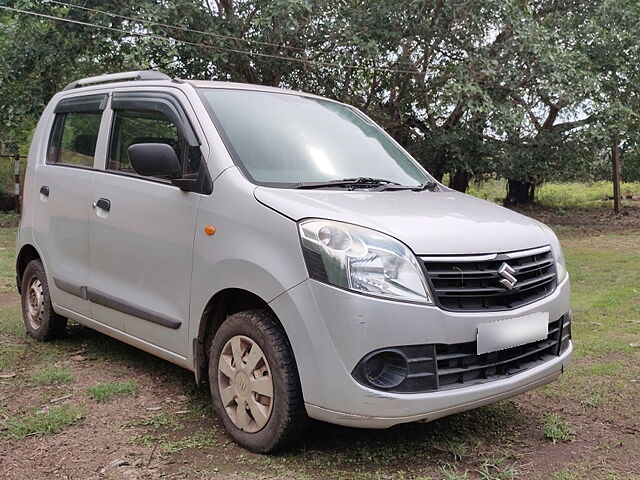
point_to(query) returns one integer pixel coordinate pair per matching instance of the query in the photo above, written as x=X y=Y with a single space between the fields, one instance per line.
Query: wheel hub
x=242 y=384
x=245 y=384
x=35 y=303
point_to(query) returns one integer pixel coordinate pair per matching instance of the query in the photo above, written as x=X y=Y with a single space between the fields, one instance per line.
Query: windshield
x=284 y=140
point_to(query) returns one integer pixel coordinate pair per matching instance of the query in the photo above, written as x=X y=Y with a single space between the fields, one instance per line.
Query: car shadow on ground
x=450 y=434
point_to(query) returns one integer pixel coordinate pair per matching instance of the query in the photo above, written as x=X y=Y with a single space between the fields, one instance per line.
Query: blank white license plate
x=512 y=332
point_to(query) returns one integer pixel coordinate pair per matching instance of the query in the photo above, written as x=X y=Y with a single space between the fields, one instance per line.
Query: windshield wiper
x=428 y=185
x=357 y=182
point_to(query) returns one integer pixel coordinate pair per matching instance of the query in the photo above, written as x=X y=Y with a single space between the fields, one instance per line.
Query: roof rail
x=115 y=77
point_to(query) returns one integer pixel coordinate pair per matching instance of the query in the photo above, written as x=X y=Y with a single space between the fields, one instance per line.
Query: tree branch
x=566 y=126
x=520 y=101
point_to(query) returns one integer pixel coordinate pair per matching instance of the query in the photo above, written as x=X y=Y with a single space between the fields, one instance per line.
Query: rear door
x=63 y=196
x=142 y=228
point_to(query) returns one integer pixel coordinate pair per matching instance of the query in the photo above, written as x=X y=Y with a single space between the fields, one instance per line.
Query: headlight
x=556 y=249
x=362 y=260
x=561 y=266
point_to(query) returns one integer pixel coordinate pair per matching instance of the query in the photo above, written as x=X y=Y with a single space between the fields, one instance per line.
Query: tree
x=615 y=61
x=519 y=89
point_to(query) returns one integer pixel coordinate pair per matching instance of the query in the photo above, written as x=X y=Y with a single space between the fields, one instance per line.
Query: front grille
x=459 y=365
x=473 y=283
x=439 y=366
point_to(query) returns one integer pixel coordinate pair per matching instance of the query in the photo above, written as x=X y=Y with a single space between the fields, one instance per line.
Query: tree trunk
x=615 y=160
x=437 y=175
x=460 y=180
x=519 y=193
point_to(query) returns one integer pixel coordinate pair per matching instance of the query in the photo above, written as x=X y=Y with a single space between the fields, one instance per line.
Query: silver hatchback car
x=286 y=250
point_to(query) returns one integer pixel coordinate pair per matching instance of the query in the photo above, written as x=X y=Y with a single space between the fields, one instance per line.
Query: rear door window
x=73 y=139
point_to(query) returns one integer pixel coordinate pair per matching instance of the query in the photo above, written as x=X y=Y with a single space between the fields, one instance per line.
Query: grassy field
x=562 y=195
x=91 y=407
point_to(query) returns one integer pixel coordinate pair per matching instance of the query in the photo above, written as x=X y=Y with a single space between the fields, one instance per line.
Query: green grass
x=605 y=299
x=556 y=429
x=22 y=350
x=164 y=421
x=41 y=423
x=11 y=322
x=7 y=255
x=448 y=472
x=611 y=368
x=197 y=440
x=52 y=375
x=565 y=475
x=107 y=391
x=594 y=401
x=458 y=449
x=560 y=195
x=489 y=470
x=582 y=194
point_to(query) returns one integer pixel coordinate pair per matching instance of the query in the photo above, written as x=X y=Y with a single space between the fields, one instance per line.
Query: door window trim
x=93 y=103
x=160 y=102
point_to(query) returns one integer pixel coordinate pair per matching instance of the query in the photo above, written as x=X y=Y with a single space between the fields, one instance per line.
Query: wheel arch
x=223 y=304
x=26 y=254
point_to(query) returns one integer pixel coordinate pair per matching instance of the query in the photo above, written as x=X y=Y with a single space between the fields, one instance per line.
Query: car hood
x=430 y=223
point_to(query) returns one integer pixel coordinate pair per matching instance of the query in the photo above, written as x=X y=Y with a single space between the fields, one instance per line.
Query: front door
x=141 y=235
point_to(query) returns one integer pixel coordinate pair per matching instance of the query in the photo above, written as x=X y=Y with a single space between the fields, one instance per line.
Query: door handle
x=103 y=204
x=44 y=190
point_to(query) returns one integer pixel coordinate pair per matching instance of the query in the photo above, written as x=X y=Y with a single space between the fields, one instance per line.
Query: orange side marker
x=210 y=230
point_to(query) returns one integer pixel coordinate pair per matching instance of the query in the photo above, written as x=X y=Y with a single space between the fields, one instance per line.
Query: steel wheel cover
x=35 y=303
x=245 y=384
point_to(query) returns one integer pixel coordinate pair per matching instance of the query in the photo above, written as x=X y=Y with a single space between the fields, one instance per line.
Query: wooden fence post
x=16 y=178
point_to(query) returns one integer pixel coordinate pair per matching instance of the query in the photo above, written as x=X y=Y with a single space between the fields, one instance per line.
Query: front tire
x=42 y=322
x=254 y=383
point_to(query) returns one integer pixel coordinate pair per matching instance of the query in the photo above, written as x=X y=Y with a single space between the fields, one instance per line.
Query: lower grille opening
x=434 y=367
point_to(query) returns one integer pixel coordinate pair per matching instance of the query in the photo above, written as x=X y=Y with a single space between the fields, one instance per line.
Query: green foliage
x=107 y=391
x=631 y=162
x=529 y=91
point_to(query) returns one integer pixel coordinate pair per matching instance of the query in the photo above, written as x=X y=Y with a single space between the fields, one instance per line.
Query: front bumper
x=440 y=404
x=331 y=330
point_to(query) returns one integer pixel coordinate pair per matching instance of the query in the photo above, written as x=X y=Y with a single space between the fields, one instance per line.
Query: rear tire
x=254 y=383
x=41 y=321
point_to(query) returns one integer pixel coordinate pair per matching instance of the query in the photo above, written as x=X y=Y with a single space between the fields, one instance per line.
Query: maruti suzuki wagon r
x=286 y=250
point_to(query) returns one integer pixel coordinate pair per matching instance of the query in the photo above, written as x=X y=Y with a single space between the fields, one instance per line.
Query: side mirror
x=154 y=160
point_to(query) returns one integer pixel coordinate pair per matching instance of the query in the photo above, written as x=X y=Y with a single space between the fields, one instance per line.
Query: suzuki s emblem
x=506 y=271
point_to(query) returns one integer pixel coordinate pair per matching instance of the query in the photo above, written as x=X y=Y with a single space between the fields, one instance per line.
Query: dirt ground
x=139 y=437
x=166 y=428
x=168 y=431
x=587 y=220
